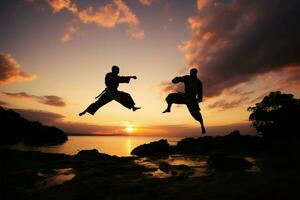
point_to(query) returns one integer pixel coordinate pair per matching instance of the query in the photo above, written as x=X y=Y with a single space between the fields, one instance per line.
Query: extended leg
x=104 y=99
x=173 y=98
x=127 y=101
x=195 y=112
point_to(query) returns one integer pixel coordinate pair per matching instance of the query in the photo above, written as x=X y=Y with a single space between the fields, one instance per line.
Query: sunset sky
x=54 y=55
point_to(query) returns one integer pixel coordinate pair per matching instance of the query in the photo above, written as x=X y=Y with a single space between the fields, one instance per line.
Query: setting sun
x=129 y=129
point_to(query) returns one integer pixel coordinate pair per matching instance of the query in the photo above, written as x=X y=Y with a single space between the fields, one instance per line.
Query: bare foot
x=167 y=110
x=136 y=108
x=82 y=113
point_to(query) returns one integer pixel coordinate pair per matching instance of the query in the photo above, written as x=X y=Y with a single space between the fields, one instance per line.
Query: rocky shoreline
x=92 y=175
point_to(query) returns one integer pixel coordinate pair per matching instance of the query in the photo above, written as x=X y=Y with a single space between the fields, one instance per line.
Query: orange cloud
x=229 y=104
x=58 y=5
x=136 y=33
x=126 y=15
x=145 y=2
x=10 y=70
x=70 y=30
x=291 y=79
x=106 y=16
x=109 y=15
x=50 y=100
x=207 y=35
x=201 y=4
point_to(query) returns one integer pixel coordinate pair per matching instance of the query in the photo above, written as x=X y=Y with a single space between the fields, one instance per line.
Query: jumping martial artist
x=112 y=80
x=191 y=97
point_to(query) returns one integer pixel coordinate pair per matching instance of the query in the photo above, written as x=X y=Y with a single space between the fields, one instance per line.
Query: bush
x=278 y=114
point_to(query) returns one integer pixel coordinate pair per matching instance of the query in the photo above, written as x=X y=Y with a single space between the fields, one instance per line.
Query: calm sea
x=112 y=145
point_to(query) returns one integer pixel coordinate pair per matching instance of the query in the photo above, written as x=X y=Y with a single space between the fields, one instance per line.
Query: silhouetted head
x=115 y=70
x=193 y=72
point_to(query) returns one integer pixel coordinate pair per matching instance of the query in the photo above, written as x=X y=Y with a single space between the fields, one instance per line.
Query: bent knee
x=168 y=99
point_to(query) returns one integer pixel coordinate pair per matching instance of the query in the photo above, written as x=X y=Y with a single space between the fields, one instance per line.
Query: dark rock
x=182 y=170
x=90 y=155
x=182 y=167
x=222 y=162
x=174 y=173
x=158 y=148
x=164 y=166
x=234 y=143
x=196 y=145
x=23 y=177
x=235 y=133
x=47 y=171
x=78 y=164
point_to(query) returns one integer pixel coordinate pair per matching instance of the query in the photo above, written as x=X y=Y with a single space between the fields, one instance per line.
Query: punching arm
x=134 y=77
x=178 y=79
x=126 y=79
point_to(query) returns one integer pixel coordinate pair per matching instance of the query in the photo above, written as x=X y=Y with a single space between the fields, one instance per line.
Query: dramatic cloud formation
x=225 y=104
x=70 y=30
x=291 y=78
x=235 y=41
x=234 y=98
x=10 y=70
x=107 y=16
x=50 y=100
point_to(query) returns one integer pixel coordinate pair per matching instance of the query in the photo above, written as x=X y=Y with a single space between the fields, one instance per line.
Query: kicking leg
x=173 y=98
x=127 y=101
x=195 y=112
x=104 y=99
x=168 y=109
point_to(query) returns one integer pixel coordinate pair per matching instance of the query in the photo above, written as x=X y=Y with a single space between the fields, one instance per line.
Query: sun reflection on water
x=129 y=145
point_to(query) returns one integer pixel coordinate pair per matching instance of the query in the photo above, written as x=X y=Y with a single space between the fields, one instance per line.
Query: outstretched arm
x=134 y=77
x=126 y=79
x=179 y=79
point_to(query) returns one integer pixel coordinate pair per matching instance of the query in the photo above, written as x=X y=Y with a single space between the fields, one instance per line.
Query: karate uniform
x=111 y=92
x=193 y=92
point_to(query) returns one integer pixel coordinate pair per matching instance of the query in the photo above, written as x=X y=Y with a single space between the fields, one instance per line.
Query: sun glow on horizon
x=129 y=129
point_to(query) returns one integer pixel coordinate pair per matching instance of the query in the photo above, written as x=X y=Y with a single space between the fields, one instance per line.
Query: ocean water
x=112 y=145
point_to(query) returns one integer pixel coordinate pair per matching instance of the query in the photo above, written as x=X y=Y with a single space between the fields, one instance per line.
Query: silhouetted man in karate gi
x=192 y=95
x=112 y=81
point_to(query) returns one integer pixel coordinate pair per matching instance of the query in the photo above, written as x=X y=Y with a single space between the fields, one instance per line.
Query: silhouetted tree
x=278 y=114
